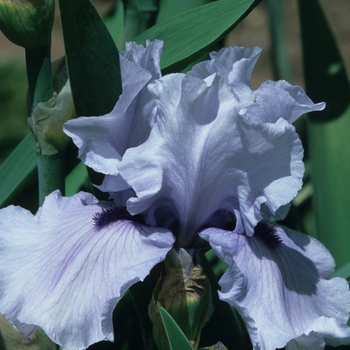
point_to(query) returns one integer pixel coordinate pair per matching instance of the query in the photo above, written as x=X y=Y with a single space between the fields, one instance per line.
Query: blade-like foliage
x=225 y=324
x=328 y=131
x=177 y=339
x=190 y=33
x=18 y=170
x=92 y=58
x=170 y=8
x=343 y=271
x=279 y=43
x=114 y=21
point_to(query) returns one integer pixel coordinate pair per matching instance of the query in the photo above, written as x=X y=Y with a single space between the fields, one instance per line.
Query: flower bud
x=218 y=346
x=47 y=119
x=12 y=339
x=27 y=23
x=185 y=292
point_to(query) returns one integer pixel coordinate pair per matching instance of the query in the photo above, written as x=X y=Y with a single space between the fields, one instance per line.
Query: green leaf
x=170 y=8
x=114 y=22
x=176 y=337
x=277 y=21
x=343 y=271
x=139 y=15
x=18 y=170
x=190 y=33
x=76 y=179
x=328 y=131
x=92 y=59
x=225 y=323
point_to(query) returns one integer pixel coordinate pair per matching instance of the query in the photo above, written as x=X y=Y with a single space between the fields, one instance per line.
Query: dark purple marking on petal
x=266 y=231
x=107 y=216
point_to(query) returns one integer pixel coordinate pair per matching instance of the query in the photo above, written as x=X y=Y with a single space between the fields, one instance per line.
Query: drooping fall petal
x=278 y=281
x=66 y=268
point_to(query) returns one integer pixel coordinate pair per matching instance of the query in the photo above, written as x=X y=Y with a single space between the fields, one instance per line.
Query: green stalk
x=39 y=75
x=277 y=30
x=51 y=174
x=328 y=131
x=50 y=168
x=139 y=16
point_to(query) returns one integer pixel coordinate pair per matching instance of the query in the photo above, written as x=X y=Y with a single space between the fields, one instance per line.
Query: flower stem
x=39 y=75
x=50 y=168
x=51 y=174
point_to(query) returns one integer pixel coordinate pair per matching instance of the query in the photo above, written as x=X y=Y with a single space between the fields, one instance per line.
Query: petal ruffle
x=273 y=100
x=234 y=64
x=148 y=58
x=62 y=273
x=203 y=156
x=103 y=140
x=282 y=291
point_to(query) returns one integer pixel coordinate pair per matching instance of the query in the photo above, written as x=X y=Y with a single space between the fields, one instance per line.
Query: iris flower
x=192 y=161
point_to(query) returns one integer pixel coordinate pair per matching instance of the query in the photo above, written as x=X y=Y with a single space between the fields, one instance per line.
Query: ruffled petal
x=271 y=161
x=203 y=156
x=312 y=341
x=103 y=140
x=148 y=58
x=62 y=272
x=273 y=100
x=234 y=64
x=176 y=170
x=281 y=290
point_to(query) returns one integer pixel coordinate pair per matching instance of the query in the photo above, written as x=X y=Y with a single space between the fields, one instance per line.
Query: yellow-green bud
x=12 y=339
x=27 y=23
x=185 y=293
x=47 y=120
x=217 y=346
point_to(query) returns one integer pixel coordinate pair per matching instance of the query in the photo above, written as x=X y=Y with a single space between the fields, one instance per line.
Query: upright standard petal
x=277 y=280
x=273 y=100
x=148 y=58
x=203 y=156
x=66 y=268
x=235 y=64
x=103 y=140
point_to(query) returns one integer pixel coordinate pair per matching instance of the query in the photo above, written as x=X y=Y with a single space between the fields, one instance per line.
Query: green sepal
x=177 y=339
x=185 y=292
